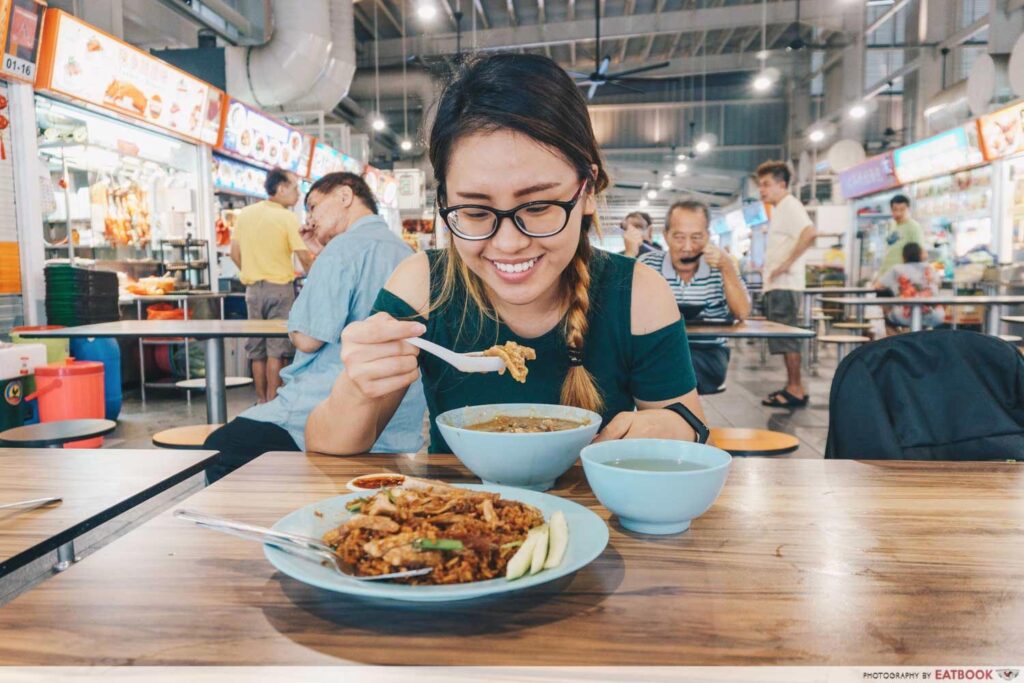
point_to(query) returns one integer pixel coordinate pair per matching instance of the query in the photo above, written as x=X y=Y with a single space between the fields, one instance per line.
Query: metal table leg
x=916 y=324
x=993 y=319
x=216 y=392
x=65 y=556
x=808 y=299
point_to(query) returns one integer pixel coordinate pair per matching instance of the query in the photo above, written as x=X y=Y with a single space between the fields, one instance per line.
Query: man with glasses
x=701 y=274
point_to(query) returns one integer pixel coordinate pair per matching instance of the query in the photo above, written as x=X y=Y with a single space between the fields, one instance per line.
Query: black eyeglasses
x=543 y=218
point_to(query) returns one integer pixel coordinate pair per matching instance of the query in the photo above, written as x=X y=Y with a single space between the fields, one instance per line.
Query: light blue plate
x=588 y=536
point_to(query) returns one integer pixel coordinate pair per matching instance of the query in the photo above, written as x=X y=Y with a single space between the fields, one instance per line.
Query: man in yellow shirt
x=265 y=237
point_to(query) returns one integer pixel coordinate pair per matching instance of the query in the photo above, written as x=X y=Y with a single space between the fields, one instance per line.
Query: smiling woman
x=518 y=171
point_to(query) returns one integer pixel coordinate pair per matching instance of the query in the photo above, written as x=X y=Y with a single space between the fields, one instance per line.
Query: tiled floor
x=739 y=406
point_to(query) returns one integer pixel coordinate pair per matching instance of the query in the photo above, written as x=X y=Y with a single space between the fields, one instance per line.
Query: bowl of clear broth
x=528 y=445
x=655 y=486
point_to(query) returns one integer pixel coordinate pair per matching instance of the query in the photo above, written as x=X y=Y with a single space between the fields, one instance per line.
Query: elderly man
x=700 y=273
x=355 y=254
x=638 y=234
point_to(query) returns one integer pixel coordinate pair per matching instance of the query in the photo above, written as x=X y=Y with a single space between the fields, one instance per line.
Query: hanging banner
x=84 y=63
x=21 y=26
x=1002 y=132
x=262 y=139
x=876 y=174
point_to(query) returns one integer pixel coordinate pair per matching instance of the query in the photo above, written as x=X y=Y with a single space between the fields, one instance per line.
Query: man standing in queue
x=790 y=234
x=265 y=237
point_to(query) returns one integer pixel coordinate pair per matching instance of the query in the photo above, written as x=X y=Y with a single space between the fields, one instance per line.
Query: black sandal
x=784 y=399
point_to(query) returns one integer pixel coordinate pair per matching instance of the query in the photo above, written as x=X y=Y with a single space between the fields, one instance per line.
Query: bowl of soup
x=528 y=445
x=655 y=486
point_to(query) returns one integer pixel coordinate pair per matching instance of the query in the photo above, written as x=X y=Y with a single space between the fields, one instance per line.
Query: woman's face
x=504 y=169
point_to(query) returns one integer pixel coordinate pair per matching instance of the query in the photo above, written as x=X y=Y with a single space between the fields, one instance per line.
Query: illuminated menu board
x=326 y=160
x=1002 y=133
x=238 y=178
x=256 y=137
x=84 y=63
x=940 y=154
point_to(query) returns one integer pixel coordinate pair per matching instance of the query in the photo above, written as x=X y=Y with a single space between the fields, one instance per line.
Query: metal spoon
x=466 y=362
x=301 y=546
x=32 y=503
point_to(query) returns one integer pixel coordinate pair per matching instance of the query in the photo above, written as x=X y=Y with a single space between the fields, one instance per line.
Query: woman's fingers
x=617 y=428
x=382 y=328
x=385 y=387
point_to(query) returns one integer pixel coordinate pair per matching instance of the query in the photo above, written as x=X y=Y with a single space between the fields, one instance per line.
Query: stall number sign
x=21 y=22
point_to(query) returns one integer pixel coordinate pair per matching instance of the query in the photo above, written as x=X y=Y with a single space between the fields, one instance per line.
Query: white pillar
x=31 y=246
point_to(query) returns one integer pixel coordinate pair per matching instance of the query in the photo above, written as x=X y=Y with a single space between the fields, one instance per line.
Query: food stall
x=950 y=190
x=384 y=186
x=1002 y=135
x=20 y=29
x=120 y=137
x=252 y=143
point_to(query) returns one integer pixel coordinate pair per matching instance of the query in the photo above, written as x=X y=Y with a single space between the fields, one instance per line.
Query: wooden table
x=810 y=293
x=96 y=485
x=994 y=303
x=799 y=562
x=750 y=329
x=212 y=332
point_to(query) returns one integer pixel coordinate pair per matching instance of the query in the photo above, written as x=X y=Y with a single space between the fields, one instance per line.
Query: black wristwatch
x=698 y=425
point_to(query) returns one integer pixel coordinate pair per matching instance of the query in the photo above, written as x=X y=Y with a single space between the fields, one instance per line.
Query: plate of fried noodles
x=469 y=534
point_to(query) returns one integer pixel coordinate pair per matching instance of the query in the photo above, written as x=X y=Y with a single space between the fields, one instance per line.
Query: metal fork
x=294 y=544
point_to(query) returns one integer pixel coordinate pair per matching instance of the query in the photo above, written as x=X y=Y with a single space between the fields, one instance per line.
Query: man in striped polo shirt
x=699 y=273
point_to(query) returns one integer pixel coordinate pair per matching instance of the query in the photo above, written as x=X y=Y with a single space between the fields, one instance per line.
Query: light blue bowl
x=529 y=461
x=655 y=502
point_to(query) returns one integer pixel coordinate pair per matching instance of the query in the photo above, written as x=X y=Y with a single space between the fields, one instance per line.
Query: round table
x=55 y=434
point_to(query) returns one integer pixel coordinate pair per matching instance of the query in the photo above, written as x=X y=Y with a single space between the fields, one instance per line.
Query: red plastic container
x=71 y=390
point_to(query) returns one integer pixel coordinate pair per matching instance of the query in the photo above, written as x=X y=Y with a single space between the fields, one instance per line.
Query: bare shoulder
x=411 y=282
x=653 y=306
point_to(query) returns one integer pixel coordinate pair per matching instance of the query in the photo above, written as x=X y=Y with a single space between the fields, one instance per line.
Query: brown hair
x=779 y=170
x=531 y=95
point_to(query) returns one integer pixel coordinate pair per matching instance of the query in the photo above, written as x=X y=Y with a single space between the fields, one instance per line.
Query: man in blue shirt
x=355 y=254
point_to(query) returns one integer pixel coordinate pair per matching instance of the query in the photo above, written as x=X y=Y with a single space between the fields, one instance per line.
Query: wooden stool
x=55 y=434
x=739 y=441
x=843 y=343
x=852 y=326
x=199 y=383
x=190 y=437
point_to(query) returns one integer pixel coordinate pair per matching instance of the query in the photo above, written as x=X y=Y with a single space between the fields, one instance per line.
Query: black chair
x=933 y=395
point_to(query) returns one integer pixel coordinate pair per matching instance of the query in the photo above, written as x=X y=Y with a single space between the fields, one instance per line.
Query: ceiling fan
x=600 y=75
x=793 y=37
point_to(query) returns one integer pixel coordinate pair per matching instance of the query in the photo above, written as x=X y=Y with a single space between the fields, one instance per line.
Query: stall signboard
x=261 y=139
x=21 y=26
x=735 y=222
x=1002 y=132
x=86 y=64
x=953 y=150
x=876 y=174
x=754 y=214
x=238 y=178
x=384 y=186
x=326 y=160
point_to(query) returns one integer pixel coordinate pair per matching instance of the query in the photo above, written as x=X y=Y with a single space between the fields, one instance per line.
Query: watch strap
x=702 y=431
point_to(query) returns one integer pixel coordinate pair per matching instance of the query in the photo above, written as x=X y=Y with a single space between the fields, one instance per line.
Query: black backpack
x=933 y=395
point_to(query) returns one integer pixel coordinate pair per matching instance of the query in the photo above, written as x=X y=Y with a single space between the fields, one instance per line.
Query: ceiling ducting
x=308 y=63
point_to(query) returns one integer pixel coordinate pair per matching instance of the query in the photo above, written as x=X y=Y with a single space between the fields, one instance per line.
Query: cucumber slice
x=521 y=561
x=540 y=547
x=559 y=540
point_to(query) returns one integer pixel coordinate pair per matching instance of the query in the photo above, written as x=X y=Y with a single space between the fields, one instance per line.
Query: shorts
x=269 y=301
x=783 y=306
x=710 y=364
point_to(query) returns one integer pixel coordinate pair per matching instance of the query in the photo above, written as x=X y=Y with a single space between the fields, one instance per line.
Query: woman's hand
x=377 y=360
x=655 y=423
